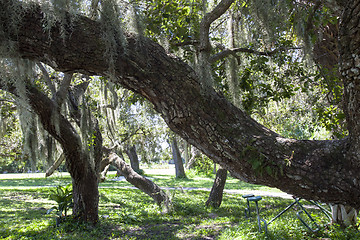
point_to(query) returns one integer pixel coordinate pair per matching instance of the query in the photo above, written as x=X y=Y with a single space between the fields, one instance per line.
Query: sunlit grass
x=163 y=180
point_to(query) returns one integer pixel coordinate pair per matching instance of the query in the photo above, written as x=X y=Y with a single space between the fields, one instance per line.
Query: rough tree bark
x=349 y=48
x=319 y=170
x=216 y=194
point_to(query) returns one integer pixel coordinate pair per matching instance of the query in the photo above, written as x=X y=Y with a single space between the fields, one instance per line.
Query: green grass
x=131 y=214
x=163 y=180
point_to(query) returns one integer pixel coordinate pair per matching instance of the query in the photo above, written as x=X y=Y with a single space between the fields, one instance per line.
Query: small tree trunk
x=187 y=157
x=217 y=189
x=344 y=215
x=134 y=160
x=179 y=166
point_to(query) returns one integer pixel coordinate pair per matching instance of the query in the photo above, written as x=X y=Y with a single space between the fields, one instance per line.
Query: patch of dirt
x=176 y=230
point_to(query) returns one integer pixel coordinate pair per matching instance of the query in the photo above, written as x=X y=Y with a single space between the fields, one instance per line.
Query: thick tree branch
x=58 y=96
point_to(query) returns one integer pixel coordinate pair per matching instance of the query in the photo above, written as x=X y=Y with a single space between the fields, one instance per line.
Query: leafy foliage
x=203 y=166
x=176 y=20
x=62 y=195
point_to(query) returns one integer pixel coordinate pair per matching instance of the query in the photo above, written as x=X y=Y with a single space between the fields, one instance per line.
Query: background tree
x=216 y=193
x=176 y=157
x=10 y=136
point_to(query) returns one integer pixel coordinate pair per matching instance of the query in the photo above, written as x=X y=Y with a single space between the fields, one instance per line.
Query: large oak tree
x=319 y=170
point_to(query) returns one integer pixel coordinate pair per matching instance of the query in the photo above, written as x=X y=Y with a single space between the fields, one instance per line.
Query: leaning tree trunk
x=82 y=168
x=216 y=194
x=134 y=160
x=179 y=166
x=55 y=165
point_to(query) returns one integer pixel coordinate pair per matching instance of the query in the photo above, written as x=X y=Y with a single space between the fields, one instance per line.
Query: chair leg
x=259 y=219
x=247 y=210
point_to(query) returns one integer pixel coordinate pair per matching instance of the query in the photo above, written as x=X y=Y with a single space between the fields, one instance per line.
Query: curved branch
x=209 y=18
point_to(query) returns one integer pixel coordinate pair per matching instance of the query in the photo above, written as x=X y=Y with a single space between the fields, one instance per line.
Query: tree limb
x=63 y=89
x=55 y=165
x=226 y=52
x=47 y=78
x=209 y=18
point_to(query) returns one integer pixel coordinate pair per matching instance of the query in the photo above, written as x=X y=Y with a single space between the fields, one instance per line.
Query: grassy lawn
x=162 y=177
x=131 y=214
